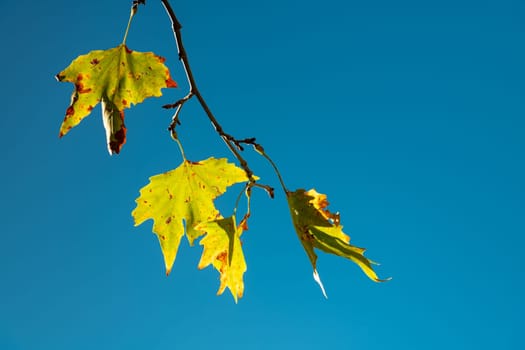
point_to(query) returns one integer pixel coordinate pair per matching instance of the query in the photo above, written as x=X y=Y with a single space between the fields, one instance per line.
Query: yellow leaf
x=119 y=77
x=185 y=193
x=318 y=228
x=222 y=248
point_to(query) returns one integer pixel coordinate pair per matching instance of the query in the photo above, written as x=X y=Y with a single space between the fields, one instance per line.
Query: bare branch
x=233 y=144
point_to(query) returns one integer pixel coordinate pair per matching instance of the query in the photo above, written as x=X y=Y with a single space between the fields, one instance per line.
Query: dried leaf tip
x=317 y=278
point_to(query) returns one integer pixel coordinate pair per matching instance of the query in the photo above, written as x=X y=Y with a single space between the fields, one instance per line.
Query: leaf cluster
x=181 y=201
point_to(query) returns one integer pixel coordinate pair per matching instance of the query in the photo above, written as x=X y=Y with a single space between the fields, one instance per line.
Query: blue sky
x=408 y=114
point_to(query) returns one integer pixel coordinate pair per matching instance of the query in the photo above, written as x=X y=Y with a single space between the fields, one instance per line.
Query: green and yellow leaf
x=318 y=228
x=222 y=249
x=185 y=193
x=117 y=77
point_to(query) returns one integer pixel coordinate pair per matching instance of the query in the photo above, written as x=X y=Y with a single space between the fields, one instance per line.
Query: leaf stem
x=131 y=15
x=261 y=151
x=176 y=139
x=246 y=190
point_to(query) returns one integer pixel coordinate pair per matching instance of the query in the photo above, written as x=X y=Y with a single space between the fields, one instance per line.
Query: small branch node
x=136 y=3
x=270 y=190
x=179 y=102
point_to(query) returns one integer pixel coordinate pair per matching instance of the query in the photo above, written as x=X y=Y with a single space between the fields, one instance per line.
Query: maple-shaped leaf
x=318 y=228
x=117 y=77
x=185 y=193
x=222 y=248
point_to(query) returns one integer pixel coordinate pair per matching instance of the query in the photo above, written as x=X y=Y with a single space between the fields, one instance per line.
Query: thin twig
x=175 y=119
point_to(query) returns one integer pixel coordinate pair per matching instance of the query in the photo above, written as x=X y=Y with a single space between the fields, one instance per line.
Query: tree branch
x=233 y=144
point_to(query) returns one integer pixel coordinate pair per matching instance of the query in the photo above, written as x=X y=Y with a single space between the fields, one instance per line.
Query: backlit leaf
x=119 y=77
x=318 y=228
x=185 y=193
x=222 y=248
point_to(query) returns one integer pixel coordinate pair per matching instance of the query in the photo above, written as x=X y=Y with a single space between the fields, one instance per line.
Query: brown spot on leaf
x=90 y=108
x=307 y=236
x=128 y=50
x=222 y=257
x=161 y=59
x=94 y=61
x=80 y=88
x=70 y=111
x=124 y=102
x=120 y=137
x=168 y=220
x=163 y=237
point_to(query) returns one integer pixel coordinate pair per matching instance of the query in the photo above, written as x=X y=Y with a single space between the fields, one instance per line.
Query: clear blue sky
x=408 y=114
